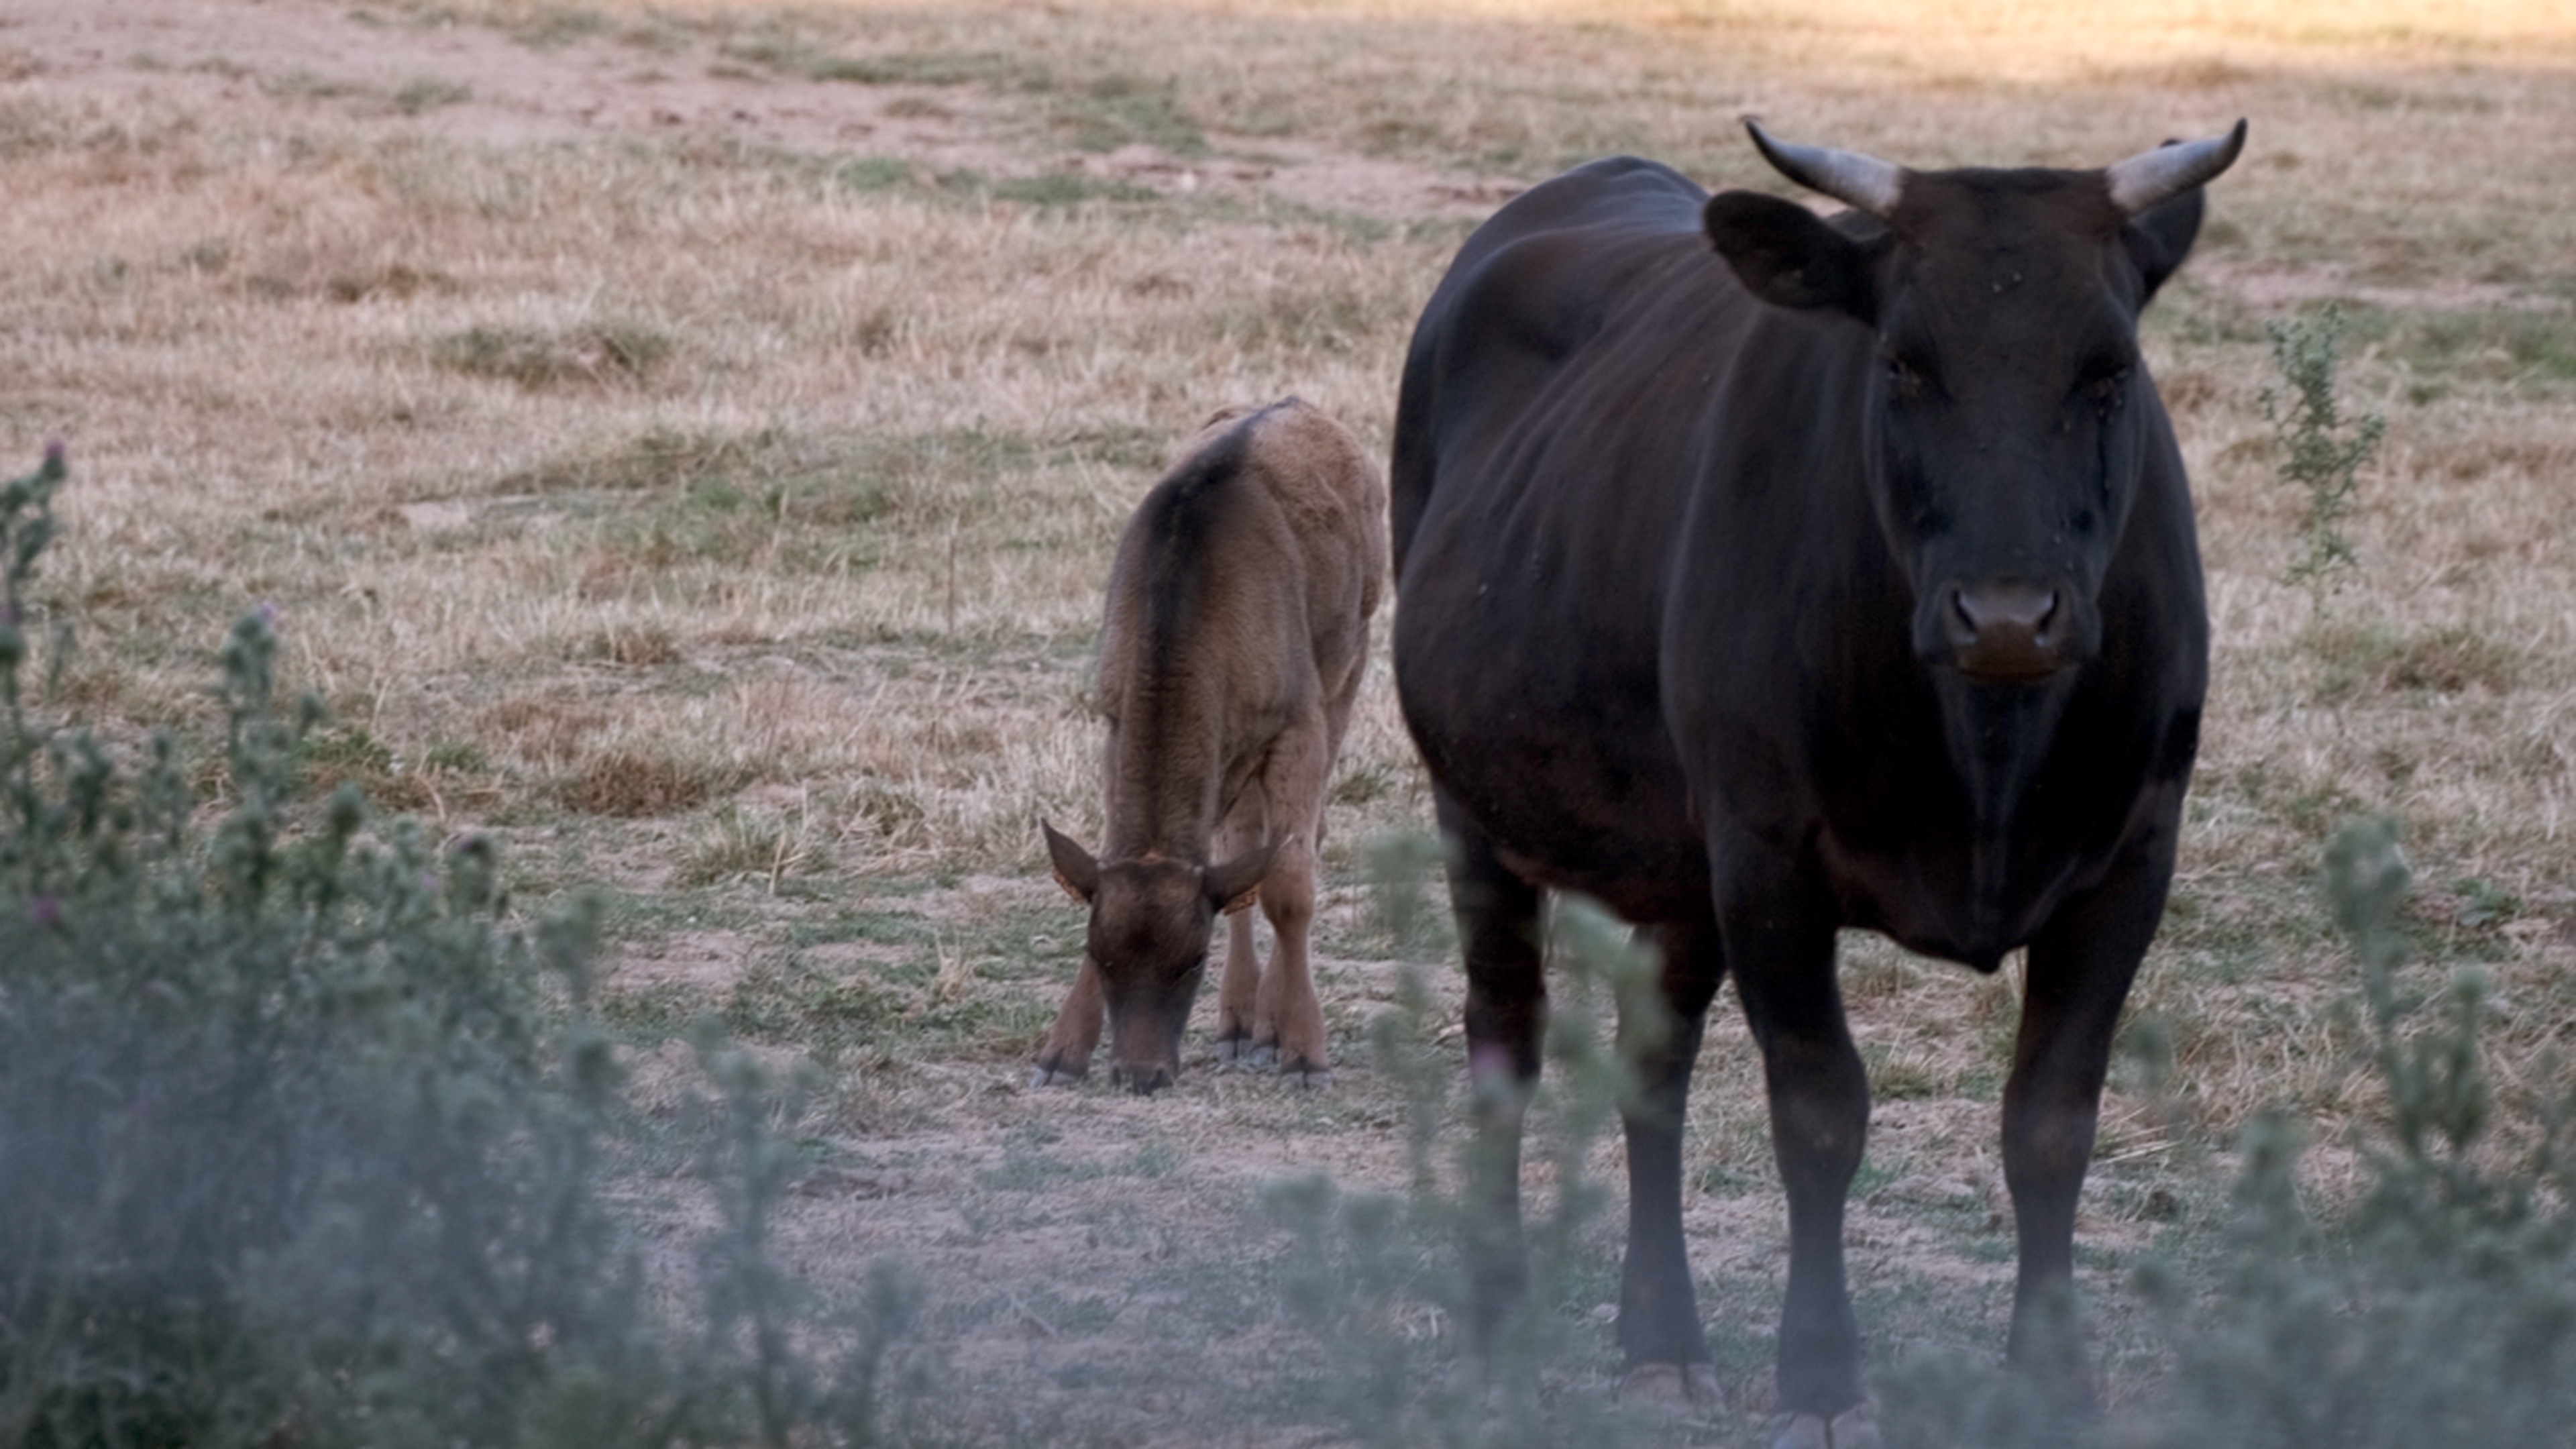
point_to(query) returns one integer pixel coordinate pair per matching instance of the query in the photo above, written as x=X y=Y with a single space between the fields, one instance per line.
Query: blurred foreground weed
x=303 y=1142
x=1378 y=1278
x=2437 y=1307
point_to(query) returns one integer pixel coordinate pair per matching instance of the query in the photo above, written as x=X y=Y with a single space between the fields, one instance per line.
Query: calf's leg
x=1289 y=1020
x=1065 y=1057
x=1239 y=989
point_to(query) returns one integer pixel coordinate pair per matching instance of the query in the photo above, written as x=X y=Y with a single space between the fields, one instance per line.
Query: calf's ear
x=1788 y=256
x=1237 y=883
x=1075 y=870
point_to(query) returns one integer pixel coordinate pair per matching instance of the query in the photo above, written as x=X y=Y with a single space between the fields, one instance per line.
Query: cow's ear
x=2159 y=237
x=1075 y=870
x=1237 y=883
x=1790 y=257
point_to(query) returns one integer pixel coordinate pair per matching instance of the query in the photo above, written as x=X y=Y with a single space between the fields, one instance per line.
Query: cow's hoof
x=1043 y=1075
x=1313 y=1079
x=1260 y=1054
x=1230 y=1050
x=1853 y=1428
x=1673 y=1387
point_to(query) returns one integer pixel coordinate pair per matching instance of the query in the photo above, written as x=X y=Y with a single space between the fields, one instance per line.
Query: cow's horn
x=1846 y=176
x=2170 y=170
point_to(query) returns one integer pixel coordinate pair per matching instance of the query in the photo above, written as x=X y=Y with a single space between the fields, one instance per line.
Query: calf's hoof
x=1230 y=1050
x=1043 y=1075
x=1853 y=1428
x=1686 y=1388
x=1308 y=1070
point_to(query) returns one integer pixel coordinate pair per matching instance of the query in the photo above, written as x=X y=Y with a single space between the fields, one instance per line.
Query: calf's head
x=2007 y=417
x=1151 y=918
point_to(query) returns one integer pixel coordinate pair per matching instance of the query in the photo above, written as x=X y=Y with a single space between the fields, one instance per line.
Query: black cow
x=1846 y=577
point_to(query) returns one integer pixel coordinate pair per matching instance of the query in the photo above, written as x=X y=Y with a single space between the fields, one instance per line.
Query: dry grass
x=688 y=439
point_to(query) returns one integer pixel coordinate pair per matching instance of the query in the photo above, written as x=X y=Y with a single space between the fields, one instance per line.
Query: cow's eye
x=2104 y=385
x=1905 y=381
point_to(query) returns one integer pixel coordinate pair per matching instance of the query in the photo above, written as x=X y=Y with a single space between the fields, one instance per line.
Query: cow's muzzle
x=2007 y=631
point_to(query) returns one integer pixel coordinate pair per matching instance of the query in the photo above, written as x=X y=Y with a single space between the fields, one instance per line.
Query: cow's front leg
x=2079 y=970
x=1780 y=944
x=1659 y=1327
x=1065 y=1057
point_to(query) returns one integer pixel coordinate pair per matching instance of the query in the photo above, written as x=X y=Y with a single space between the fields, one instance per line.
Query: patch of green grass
x=1029 y=1165
x=1069 y=188
x=304 y=85
x=884 y=928
x=2360 y=658
x=799 y=499
x=635 y=782
x=994 y=69
x=785 y=998
x=418 y=96
x=874 y=173
x=551 y=23
x=1125 y=110
x=764 y=846
x=538 y=358
x=1898 y=1077
x=1329 y=319
x=2488 y=345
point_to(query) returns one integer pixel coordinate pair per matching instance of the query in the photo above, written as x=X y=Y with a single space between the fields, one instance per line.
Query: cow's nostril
x=1961 y=618
x=2003 y=630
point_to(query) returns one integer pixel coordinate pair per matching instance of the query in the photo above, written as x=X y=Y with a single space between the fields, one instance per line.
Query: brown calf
x=1232 y=648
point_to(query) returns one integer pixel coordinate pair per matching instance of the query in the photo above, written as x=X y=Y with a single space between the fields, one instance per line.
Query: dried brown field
x=686 y=441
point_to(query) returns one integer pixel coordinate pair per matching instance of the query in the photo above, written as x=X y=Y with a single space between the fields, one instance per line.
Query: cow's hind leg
x=1659 y=1327
x=1498 y=925
x=1290 y=1018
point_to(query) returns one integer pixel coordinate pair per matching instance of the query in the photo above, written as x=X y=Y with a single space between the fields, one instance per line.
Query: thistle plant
x=2322 y=450
x=307 y=1140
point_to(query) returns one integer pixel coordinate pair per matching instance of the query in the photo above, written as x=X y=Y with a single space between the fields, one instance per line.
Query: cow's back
x=1536 y=519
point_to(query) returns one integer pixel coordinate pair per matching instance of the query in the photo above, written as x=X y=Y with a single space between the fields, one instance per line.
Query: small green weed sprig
x=2322 y=451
